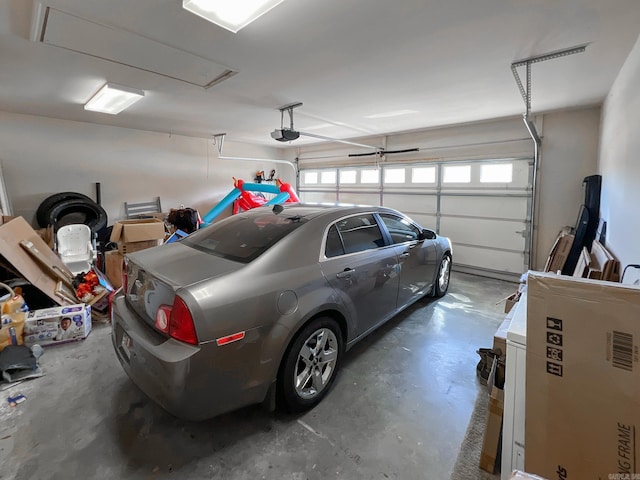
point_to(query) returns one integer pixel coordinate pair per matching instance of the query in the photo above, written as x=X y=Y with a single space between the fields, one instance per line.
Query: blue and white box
x=52 y=326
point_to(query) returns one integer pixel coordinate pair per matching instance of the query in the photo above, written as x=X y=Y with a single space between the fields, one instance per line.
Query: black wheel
x=441 y=284
x=72 y=211
x=310 y=365
x=42 y=214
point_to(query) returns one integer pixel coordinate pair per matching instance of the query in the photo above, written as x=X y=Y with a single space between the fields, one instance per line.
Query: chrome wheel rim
x=316 y=363
x=445 y=272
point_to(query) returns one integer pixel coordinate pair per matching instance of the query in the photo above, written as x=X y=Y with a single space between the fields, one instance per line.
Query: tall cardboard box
x=493 y=429
x=583 y=378
x=113 y=267
x=559 y=252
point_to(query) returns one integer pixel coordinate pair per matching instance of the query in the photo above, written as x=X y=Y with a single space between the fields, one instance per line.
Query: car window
x=400 y=229
x=243 y=238
x=358 y=233
x=333 y=246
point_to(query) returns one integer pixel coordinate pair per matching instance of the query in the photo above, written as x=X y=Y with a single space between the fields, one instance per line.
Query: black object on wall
x=587 y=224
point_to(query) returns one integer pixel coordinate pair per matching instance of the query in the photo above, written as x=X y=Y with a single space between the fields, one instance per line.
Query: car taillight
x=176 y=321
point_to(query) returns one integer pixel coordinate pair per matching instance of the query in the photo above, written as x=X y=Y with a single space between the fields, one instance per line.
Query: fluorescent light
x=230 y=14
x=113 y=99
x=395 y=113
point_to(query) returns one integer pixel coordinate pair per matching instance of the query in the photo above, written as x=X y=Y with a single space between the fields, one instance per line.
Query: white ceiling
x=447 y=62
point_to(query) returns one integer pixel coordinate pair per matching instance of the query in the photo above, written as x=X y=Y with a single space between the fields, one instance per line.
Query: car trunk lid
x=152 y=279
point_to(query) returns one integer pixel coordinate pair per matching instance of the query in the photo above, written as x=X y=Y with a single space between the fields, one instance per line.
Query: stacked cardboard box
x=582 y=378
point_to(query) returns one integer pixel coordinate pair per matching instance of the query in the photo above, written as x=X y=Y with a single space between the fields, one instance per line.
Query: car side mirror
x=427 y=235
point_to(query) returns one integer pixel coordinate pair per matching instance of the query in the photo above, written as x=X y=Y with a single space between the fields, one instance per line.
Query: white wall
x=619 y=162
x=569 y=153
x=42 y=156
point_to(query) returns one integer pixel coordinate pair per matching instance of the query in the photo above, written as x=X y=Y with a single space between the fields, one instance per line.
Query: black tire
x=322 y=365
x=72 y=211
x=442 y=280
x=42 y=214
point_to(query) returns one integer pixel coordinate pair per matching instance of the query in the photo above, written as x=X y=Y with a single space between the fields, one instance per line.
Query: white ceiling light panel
x=230 y=14
x=113 y=99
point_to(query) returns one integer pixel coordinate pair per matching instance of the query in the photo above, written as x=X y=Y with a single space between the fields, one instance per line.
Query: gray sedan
x=261 y=306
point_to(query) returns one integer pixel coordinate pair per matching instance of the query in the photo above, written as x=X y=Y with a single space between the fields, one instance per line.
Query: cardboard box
x=582 y=378
x=113 y=267
x=57 y=325
x=127 y=231
x=493 y=431
x=500 y=337
x=559 y=252
x=130 y=247
x=510 y=302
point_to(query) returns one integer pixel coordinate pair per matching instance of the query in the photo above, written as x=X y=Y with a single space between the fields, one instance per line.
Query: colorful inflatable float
x=249 y=195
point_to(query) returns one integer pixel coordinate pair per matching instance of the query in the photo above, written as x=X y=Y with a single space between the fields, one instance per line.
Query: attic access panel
x=63 y=30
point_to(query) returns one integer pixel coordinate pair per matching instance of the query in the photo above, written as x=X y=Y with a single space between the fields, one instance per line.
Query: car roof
x=310 y=211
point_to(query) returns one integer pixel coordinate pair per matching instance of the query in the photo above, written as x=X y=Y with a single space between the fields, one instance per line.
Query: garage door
x=484 y=206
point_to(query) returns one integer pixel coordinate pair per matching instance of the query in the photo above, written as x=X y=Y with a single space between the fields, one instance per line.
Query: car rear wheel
x=444 y=275
x=311 y=364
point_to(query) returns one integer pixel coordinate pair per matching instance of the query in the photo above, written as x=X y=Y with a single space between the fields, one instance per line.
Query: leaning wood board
x=11 y=234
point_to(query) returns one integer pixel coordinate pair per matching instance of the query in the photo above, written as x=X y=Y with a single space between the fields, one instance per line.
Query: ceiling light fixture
x=230 y=14
x=113 y=99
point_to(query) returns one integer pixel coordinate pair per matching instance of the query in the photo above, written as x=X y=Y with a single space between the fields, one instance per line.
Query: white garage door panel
x=360 y=198
x=483 y=206
x=514 y=208
x=425 y=221
x=521 y=174
x=488 y=259
x=411 y=204
x=317 y=197
x=488 y=233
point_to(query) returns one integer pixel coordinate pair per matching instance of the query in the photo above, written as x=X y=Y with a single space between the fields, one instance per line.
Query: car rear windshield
x=243 y=238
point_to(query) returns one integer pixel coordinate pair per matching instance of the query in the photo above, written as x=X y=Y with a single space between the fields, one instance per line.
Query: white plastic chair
x=75 y=247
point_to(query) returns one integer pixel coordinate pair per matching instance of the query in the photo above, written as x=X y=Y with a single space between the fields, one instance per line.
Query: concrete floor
x=399 y=409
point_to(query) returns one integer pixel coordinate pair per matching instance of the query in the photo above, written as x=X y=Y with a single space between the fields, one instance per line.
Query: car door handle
x=405 y=254
x=346 y=273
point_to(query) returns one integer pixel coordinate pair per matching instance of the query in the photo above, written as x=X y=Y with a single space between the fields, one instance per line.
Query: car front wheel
x=441 y=284
x=311 y=364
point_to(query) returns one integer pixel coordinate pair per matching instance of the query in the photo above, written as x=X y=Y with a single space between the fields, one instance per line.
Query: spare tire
x=42 y=214
x=78 y=210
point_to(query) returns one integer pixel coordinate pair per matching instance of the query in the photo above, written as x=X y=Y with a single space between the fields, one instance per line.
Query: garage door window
x=423 y=175
x=328 y=177
x=457 y=174
x=394 y=175
x=369 y=175
x=496 y=173
x=310 y=178
x=348 y=177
